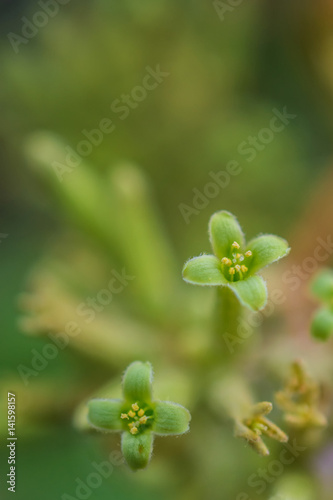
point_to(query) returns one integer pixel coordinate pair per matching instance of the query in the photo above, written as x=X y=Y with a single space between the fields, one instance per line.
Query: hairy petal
x=104 y=414
x=224 y=229
x=265 y=250
x=137 y=449
x=137 y=382
x=204 y=270
x=251 y=292
x=170 y=418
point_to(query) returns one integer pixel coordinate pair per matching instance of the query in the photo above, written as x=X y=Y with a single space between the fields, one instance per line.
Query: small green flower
x=322 y=321
x=138 y=416
x=235 y=263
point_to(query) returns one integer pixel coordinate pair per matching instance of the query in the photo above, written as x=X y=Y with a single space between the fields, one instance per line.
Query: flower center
x=138 y=418
x=234 y=266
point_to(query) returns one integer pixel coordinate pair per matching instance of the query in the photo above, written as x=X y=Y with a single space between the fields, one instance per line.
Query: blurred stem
x=145 y=245
x=119 y=214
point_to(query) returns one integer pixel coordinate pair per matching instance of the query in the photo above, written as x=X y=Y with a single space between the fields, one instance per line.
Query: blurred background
x=115 y=117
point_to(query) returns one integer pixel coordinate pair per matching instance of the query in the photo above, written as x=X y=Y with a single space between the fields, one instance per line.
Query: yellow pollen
x=124 y=415
x=143 y=419
x=232 y=270
x=135 y=406
x=235 y=245
x=141 y=412
x=238 y=268
x=238 y=255
x=134 y=430
x=131 y=414
x=248 y=253
x=244 y=269
x=226 y=261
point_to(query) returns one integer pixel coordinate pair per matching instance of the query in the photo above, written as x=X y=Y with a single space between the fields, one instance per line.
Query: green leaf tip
x=138 y=416
x=234 y=263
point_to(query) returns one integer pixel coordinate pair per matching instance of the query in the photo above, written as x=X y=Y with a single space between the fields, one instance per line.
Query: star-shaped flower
x=236 y=263
x=137 y=416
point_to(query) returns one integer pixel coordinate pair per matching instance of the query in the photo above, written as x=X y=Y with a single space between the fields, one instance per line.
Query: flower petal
x=266 y=249
x=104 y=414
x=251 y=292
x=204 y=270
x=223 y=231
x=170 y=418
x=137 y=449
x=137 y=382
x=322 y=324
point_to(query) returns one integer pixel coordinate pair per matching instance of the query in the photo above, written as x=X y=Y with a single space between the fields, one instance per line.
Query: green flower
x=137 y=416
x=322 y=321
x=235 y=263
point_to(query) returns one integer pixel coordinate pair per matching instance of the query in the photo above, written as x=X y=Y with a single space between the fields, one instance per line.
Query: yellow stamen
x=238 y=255
x=232 y=270
x=235 y=245
x=248 y=253
x=141 y=412
x=226 y=261
x=124 y=415
x=244 y=269
x=143 y=419
x=134 y=430
x=135 y=406
x=238 y=268
x=131 y=414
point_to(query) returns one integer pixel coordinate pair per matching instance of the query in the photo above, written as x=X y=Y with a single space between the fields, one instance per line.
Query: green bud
x=322 y=286
x=322 y=324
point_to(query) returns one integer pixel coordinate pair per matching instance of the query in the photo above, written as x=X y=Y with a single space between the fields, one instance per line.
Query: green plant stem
x=227 y=317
